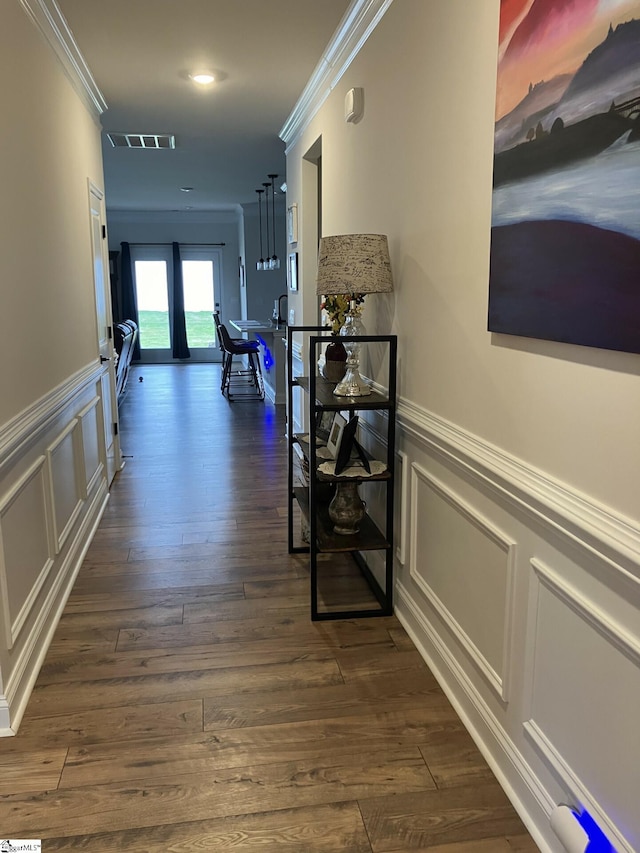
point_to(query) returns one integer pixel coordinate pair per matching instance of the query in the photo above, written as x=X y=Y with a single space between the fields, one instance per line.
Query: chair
x=252 y=374
x=240 y=341
x=124 y=339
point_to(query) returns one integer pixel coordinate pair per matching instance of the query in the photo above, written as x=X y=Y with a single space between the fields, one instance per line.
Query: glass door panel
x=153 y=304
x=198 y=281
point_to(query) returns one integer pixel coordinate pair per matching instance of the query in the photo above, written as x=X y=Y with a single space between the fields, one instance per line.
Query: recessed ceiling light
x=203 y=78
x=186 y=189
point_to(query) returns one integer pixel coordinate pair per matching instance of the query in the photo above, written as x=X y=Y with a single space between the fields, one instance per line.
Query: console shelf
x=312 y=498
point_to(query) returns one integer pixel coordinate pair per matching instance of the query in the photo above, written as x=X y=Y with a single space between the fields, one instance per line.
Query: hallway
x=188 y=702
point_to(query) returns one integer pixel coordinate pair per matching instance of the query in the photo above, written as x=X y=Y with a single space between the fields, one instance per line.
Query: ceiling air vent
x=142 y=140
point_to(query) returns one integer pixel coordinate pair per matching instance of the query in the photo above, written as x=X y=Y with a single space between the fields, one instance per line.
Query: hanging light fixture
x=267 y=263
x=260 y=265
x=274 y=262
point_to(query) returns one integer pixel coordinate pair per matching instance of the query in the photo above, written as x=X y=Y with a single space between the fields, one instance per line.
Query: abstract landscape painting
x=565 y=235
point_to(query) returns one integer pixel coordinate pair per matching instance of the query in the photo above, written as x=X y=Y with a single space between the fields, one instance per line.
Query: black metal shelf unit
x=312 y=499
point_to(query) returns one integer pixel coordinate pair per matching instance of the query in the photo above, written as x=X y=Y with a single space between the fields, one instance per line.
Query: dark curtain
x=180 y=347
x=129 y=305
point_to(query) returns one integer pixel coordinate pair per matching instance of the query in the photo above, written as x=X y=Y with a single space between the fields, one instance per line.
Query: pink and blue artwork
x=565 y=231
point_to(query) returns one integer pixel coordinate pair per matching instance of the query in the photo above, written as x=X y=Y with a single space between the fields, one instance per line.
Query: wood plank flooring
x=188 y=703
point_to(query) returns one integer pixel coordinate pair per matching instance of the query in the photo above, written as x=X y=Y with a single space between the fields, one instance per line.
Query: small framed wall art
x=292 y=270
x=292 y=223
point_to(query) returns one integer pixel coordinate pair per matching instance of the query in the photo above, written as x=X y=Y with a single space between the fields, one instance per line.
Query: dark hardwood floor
x=188 y=703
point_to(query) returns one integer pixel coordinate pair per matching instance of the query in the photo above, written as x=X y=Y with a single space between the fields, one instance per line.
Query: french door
x=153 y=275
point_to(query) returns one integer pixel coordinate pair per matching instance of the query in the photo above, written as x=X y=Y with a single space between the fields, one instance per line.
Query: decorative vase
x=347 y=509
x=335 y=361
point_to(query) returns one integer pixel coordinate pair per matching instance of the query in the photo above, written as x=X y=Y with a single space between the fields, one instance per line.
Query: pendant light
x=267 y=263
x=260 y=265
x=274 y=262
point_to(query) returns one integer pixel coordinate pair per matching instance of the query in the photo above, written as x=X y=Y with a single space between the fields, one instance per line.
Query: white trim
x=359 y=21
x=23 y=431
x=48 y=18
x=578 y=792
x=614 y=634
x=405 y=503
x=5 y=718
x=92 y=406
x=588 y=611
x=498 y=682
x=530 y=800
x=594 y=528
x=13 y=628
x=72 y=429
x=31 y=658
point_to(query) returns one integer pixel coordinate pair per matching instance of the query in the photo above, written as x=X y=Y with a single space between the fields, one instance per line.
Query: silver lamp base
x=352 y=385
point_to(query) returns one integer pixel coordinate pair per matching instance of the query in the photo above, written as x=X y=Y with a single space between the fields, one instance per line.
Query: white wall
x=45 y=264
x=518 y=531
x=52 y=441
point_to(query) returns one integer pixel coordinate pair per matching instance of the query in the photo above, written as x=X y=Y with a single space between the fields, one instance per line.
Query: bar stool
x=251 y=375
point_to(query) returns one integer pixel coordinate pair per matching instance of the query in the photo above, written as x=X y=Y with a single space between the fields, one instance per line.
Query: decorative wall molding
x=14 y=625
x=360 y=20
x=614 y=634
x=25 y=672
x=579 y=793
x=5 y=717
x=525 y=790
x=589 y=611
x=55 y=491
x=595 y=529
x=404 y=506
x=23 y=431
x=72 y=431
x=91 y=476
x=48 y=18
x=498 y=681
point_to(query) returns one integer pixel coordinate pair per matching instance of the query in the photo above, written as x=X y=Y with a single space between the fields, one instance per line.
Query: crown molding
x=48 y=18
x=359 y=21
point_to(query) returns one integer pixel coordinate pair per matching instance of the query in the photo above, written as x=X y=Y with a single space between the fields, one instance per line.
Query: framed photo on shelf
x=335 y=434
x=324 y=422
x=346 y=444
x=292 y=223
x=292 y=270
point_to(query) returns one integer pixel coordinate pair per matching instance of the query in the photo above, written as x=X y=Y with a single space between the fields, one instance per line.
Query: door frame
x=104 y=332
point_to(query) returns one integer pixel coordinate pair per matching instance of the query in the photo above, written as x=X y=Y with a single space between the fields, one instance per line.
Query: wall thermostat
x=354 y=105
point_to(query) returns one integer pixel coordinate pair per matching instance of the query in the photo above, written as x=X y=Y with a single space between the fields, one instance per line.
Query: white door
x=105 y=331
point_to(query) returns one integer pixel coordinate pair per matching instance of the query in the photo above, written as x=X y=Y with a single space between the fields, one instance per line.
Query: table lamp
x=353 y=265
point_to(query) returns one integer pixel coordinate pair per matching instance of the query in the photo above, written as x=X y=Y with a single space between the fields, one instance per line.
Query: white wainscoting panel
x=53 y=490
x=25 y=558
x=67 y=479
x=585 y=698
x=464 y=565
x=89 y=418
x=571 y=664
